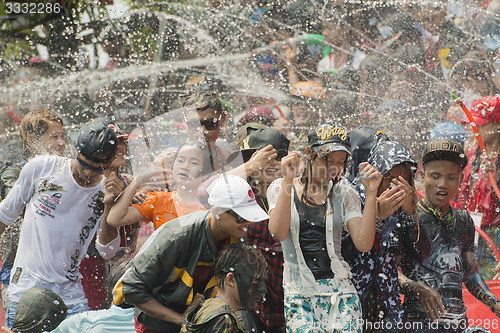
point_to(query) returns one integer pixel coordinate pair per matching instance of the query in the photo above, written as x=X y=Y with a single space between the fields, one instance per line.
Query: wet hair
x=115 y=273
x=306 y=177
x=239 y=253
x=206 y=159
x=203 y=100
x=36 y=123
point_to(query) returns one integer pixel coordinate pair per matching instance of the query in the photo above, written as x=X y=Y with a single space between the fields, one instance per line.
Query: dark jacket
x=164 y=268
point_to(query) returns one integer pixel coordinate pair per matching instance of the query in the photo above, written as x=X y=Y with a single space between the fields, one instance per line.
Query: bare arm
x=279 y=220
x=259 y=160
x=113 y=188
x=362 y=230
x=122 y=213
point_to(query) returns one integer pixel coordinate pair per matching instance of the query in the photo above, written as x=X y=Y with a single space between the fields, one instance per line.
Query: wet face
x=87 y=171
x=202 y=125
x=441 y=181
x=51 y=142
x=188 y=164
x=251 y=289
x=330 y=166
x=119 y=160
x=400 y=170
x=228 y=227
x=268 y=174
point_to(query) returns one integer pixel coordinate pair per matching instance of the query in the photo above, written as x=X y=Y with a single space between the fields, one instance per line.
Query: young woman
x=191 y=163
x=307 y=214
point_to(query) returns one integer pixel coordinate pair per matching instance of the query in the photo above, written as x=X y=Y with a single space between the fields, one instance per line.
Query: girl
x=307 y=214
x=191 y=163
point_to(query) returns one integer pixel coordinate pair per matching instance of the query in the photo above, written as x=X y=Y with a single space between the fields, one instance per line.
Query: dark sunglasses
x=239 y=219
x=85 y=165
x=210 y=124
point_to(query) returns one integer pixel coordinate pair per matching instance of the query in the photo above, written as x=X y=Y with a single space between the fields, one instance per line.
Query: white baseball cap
x=233 y=192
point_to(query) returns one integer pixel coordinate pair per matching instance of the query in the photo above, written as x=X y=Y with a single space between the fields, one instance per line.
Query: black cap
x=259 y=138
x=328 y=138
x=444 y=150
x=98 y=141
x=39 y=310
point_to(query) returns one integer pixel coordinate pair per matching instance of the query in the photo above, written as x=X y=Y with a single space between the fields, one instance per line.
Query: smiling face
x=441 y=180
x=51 y=142
x=188 y=164
x=329 y=167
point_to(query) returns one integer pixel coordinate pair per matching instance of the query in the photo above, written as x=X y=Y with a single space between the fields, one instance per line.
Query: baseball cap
x=39 y=310
x=233 y=192
x=451 y=131
x=98 y=141
x=328 y=138
x=444 y=150
x=486 y=110
x=259 y=138
x=244 y=130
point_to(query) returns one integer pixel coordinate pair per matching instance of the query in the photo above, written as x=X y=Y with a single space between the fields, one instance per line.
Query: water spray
x=479 y=141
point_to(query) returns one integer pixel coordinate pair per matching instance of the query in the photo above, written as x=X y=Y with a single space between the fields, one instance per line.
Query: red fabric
x=486 y=110
x=92 y=270
x=480 y=196
x=141 y=329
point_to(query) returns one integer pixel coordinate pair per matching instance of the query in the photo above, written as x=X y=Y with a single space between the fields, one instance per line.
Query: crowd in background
x=330 y=158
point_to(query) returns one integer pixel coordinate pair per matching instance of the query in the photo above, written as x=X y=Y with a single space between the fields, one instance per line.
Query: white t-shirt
x=60 y=221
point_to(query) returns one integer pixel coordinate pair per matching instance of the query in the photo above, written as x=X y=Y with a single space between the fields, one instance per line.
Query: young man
x=242 y=275
x=203 y=116
x=443 y=257
x=62 y=199
x=171 y=273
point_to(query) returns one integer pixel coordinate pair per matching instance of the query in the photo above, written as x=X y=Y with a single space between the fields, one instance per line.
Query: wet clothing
x=477 y=195
x=312 y=238
x=161 y=207
x=61 y=220
x=299 y=282
x=437 y=260
x=271 y=310
x=374 y=273
x=110 y=320
x=166 y=269
x=212 y=316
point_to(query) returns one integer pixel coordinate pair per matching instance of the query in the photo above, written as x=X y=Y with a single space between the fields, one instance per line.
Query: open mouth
x=441 y=194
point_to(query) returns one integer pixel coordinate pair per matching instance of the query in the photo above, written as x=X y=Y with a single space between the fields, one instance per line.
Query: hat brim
x=241 y=156
x=440 y=155
x=251 y=213
x=126 y=136
x=325 y=149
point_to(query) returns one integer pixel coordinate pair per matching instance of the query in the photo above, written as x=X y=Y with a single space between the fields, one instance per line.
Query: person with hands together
x=308 y=214
x=375 y=273
x=438 y=254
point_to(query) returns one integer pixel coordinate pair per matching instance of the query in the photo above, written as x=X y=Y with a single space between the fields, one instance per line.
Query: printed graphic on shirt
x=49 y=197
x=97 y=205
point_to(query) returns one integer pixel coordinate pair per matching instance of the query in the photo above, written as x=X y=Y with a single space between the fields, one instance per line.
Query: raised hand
x=262 y=158
x=113 y=186
x=290 y=165
x=410 y=198
x=370 y=177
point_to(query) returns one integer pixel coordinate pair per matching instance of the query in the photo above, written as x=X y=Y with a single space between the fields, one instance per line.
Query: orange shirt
x=161 y=207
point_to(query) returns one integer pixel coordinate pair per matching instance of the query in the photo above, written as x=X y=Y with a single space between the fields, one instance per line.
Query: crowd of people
x=349 y=206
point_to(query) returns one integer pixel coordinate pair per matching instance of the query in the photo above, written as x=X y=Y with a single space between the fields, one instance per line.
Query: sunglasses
x=210 y=124
x=239 y=219
x=85 y=165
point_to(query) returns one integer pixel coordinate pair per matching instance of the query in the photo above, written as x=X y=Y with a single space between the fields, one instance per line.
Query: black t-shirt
x=312 y=239
x=437 y=258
